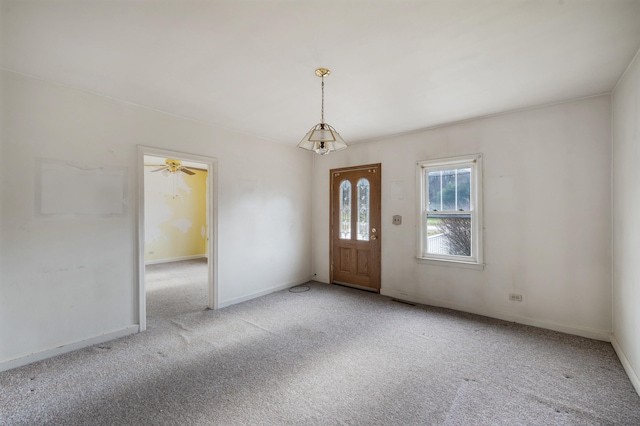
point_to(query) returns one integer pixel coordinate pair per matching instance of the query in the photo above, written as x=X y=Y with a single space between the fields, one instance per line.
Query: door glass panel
x=363 y=209
x=345 y=210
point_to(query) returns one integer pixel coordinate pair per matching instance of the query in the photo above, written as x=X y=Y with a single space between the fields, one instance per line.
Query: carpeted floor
x=175 y=289
x=330 y=355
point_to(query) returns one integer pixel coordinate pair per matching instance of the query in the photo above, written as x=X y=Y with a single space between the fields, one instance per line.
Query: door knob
x=374 y=237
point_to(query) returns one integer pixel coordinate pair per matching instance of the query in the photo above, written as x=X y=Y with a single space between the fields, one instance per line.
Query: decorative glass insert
x=345 y=210
x=363 y=209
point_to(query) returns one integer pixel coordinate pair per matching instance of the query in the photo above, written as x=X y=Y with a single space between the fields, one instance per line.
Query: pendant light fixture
x=322 y=138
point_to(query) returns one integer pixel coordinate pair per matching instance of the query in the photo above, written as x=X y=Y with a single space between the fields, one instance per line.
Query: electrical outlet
x=397 y=219
x=515 y=297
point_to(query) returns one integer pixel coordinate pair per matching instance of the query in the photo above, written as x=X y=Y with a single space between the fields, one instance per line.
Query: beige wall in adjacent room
x=175 y=214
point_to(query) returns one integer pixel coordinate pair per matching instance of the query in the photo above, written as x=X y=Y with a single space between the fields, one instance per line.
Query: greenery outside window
x=450 y=209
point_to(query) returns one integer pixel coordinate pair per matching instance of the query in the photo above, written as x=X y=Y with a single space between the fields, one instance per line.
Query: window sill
x=450 y=263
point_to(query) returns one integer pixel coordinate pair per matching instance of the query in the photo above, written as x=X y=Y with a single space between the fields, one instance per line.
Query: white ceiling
x=397 y=65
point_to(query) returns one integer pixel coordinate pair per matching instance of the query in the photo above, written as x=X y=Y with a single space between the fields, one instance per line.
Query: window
x=450 y=209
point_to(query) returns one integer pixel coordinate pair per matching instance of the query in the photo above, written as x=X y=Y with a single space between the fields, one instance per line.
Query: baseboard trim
x=68 y=347
x=175 y=259
x=590 y=333
x=235 y=300
x=628 y=368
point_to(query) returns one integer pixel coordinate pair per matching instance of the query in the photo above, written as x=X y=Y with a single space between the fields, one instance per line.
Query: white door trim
x=212 y=233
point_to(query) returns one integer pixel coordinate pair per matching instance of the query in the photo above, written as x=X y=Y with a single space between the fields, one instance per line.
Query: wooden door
x=355 y=226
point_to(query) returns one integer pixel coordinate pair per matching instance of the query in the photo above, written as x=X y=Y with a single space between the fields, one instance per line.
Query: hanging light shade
x=322 y=138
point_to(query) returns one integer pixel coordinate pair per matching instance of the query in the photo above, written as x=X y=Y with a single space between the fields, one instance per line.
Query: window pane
x=345 y=210
x=464 y=189
x=449 y=190
x=434 y=191
x=363 y=210
x=449 y=234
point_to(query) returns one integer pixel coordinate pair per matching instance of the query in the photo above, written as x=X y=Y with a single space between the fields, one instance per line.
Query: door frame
x=212 y=229
x=331 y=233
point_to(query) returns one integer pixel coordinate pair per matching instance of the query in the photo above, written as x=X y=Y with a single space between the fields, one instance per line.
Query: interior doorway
x=177 y=223
x=355 y=226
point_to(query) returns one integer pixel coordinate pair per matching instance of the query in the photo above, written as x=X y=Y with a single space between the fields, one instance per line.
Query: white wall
x=546 y=216
x=626 y=225
x=71 y=280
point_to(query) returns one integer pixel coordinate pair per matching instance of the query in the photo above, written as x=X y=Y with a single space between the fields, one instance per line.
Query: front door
x=355 y=226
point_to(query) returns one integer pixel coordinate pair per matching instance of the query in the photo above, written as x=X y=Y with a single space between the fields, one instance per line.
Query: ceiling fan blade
x=160 y=169
x=187 y=171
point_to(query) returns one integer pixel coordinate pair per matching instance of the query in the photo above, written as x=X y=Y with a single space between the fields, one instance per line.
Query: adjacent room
x=454 y=241
x=176 y=232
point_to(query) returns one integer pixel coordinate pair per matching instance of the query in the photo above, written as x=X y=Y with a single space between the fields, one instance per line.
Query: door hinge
x=332 y=267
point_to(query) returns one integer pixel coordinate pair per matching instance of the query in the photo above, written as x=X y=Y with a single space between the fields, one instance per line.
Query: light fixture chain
x=322 y=116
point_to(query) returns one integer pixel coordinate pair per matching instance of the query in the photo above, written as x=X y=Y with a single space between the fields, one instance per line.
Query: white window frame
x=474 y=162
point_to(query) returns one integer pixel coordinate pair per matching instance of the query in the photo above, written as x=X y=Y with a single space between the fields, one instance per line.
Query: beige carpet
x=330 y=355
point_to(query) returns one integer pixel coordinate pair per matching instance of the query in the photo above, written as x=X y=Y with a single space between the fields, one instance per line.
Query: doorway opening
x=177 y=233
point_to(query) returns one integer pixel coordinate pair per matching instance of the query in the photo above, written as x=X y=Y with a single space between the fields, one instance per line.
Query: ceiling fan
x=174 y=166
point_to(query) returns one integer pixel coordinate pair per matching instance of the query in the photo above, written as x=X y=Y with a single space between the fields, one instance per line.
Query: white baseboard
x=628 y=368
x=229 y=302
x=590 y=333
x=59 y=350
x=321 y=279
x=175 y=259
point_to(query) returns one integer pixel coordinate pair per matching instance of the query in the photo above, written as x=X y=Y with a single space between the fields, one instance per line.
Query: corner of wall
x=628 y=368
